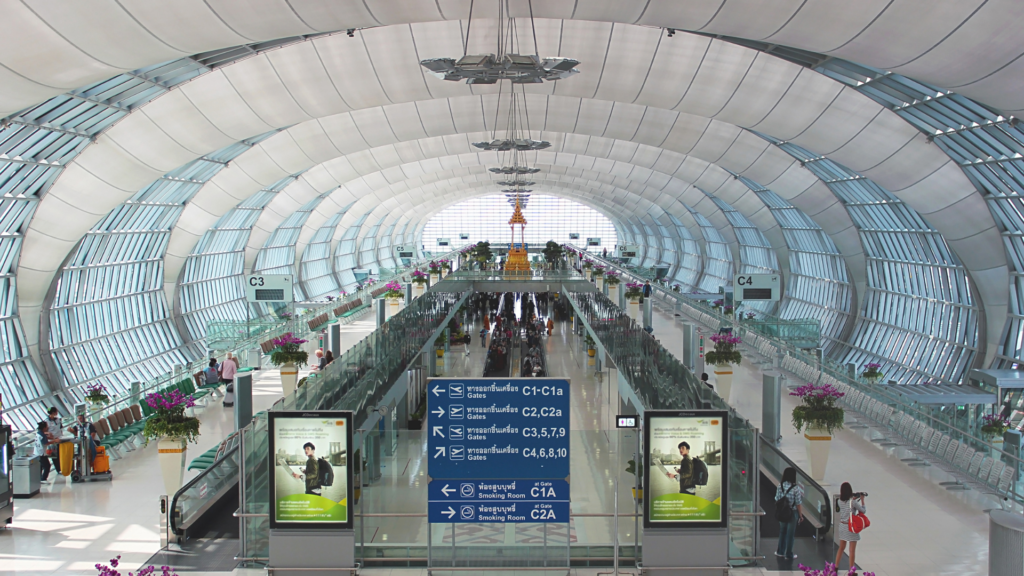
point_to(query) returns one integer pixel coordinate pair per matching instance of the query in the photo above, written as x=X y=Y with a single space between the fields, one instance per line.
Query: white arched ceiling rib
x=690 y=262
x=691 y=74
x=317 y=270
x=51 y=47
x=744 y=152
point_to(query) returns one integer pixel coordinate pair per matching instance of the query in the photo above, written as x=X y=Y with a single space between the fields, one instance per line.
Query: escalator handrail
x=809 y=483
x=199 y=477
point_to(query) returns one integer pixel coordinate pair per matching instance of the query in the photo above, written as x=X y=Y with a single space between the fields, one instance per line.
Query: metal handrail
x=175 y=528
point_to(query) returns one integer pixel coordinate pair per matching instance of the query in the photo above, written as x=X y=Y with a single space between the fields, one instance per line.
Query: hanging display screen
x=686 y=474
x=311 y=481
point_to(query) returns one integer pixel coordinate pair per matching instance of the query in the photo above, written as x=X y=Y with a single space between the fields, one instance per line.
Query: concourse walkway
x=67 y=528
x=917 y=526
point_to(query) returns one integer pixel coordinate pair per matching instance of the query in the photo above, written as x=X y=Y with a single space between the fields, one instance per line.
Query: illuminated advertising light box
x=311 y=480
x=686 y=457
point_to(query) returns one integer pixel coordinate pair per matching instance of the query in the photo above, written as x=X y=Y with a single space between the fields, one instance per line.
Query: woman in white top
x=845 y=506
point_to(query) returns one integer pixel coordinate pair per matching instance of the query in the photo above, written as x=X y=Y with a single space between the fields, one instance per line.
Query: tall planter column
x=394 y=305
x=418 y=289
x=723 y=380
x=633 y=308
x=819 y=443
x=613 y=293
x=172 y=452
x=289 y=376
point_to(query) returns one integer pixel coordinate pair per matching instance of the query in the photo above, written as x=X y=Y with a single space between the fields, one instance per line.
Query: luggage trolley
x=81 y=472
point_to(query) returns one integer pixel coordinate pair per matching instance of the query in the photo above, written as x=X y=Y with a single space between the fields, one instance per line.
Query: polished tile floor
x=917 y=526
x=67 y=528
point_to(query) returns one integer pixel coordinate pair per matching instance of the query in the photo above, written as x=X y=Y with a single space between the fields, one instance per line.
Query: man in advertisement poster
x=312 y=470
x=685 y=471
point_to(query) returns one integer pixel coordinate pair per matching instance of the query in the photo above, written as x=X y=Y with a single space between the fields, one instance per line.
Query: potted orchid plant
x=818 y=416
x=419 y=283
x=96 y=394
x=724 y=355
x=174 y=430
x=993 y=426
x=289 y=355
x=872 y=372
x=394 y=295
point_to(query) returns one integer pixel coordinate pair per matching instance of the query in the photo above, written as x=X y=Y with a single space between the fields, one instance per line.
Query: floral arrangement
x=342 y=294
x=612 y=278
x=445 y=263
x=727 y=310
x=434 y=267
x=830 y=570
x=750 y=315
x=872 y=372
x=285 y=315
x=111 y=569
x=96 y=394
x=419 y=277
x=588 y=264
x=818 y=407
x=599 y=270
x=718 y=304
x=287 y=350
x=395 y=290
x=169 y=420
x=634 y=290
x=330 y=298
x=725 y=351
x=677 y=288
x=994 y=425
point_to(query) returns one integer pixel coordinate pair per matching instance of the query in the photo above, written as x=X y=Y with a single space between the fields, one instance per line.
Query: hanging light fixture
x=507 y=63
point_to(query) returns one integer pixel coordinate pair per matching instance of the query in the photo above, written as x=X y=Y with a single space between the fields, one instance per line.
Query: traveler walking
x=46 y=450
x=789 y=511
x=848 y=502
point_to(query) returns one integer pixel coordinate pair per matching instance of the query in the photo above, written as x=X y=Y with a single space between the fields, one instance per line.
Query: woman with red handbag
x=850 y=520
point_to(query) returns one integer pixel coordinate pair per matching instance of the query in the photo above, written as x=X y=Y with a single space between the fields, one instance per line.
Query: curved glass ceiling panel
x=717 y=258
x=548 y=218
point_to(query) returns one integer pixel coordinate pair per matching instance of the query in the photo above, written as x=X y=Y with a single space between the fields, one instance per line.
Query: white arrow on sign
x=439 y=412
x=446 y=490
x=440 y=451
x=437 y=431
x=450 y=512
x=437 y=390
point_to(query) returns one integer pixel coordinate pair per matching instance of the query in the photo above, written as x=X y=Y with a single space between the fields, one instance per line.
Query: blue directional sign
x=479 y=511
x=497 y=490
x=484 y=428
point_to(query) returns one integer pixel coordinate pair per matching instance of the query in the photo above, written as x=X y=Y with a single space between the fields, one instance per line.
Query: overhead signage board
x=463 y=236
x=404 y=252
x=473 y=501
x=574 y=235
x=444 y=241
x=593 y=241
x=310 y=480
x=268 y=287
x=686 y=455
x=629 y=251
x=757 y=287
x=511 y=428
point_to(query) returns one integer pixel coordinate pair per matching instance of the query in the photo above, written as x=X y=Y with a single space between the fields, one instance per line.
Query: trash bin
x=26 y=476
x=1005 y=543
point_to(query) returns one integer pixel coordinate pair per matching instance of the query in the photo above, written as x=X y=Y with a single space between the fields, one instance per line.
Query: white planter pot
x=723 y=381
x=97 y=408
x=599 y=283
x=819 y=442
x=394 y=305
x=613 y=293
x=590 y=274
x=289 y=376
x=633 y=308
x=172 y=452
x=418 y=290
x=996 y=448
x=434 y=279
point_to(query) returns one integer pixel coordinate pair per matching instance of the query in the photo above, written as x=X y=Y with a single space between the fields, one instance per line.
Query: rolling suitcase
x=229 y=394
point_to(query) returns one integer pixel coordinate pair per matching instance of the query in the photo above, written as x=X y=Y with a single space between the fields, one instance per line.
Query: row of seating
x=208 y=458
x=123 y=428
x=318 y=321
x=350 y=308
x=954 y=456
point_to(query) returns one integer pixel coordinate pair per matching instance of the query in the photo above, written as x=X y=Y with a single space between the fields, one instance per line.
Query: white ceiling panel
x=256 y=19
x=189 y=26
x=720 y=74
x=815 y=23
x=224 y=107
x=183 y=122
x=810 y=95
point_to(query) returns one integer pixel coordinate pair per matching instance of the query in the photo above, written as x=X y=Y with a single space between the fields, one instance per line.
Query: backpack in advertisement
x=325 y=473
x=784 y=508
x=700 y=472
